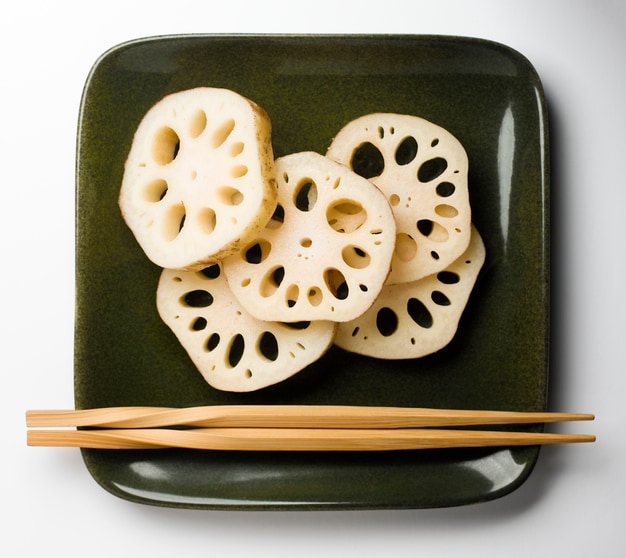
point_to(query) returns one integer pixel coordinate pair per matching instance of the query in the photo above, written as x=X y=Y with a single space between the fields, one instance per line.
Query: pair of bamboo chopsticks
x=290 y=428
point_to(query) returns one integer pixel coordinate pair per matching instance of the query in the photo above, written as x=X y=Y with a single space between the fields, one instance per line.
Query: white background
x=572 y=503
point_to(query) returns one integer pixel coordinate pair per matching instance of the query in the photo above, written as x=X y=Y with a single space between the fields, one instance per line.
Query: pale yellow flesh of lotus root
x=199 y=177
x=232 y=350
x=422 y=169
x=325 y=254
x=411 y=320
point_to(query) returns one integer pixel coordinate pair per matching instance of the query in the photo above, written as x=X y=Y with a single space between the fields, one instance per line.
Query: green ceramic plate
x=486 y=94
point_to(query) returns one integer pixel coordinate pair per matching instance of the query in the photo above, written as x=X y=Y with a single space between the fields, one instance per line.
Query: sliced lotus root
x=411 y=320
x=199 y=177
x=232 y=350
x=422 y=169
x=325 y=253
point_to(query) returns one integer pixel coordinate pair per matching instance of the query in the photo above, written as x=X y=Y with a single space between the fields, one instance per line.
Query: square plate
x=491 y=99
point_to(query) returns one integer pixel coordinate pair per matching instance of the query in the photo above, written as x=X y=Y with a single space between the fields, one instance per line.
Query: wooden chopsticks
x=290 y=427
x=293 y=439
x=288 y=416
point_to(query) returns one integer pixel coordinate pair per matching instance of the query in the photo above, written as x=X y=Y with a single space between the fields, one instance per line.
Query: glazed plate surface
x=491 y=99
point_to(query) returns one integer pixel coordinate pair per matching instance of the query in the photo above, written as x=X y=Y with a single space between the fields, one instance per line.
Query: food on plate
x=267 y=263
x=422 y=169
x=325 y=253
x=411 y=320
x=199 y=177
x=232 y=350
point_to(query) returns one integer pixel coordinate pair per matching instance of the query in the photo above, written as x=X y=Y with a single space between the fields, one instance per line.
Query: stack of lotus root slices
x=269 y=262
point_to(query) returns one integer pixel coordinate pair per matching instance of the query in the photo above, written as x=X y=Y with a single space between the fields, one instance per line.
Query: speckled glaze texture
x=491 y=99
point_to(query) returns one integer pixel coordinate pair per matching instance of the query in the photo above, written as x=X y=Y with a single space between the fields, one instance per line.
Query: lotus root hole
x=155 y=190
x=272 y=280
x=432 y=230
x=212 y=342
x=291 y=294
x=236 y=149
x=406 y=247
x=212 y=271
x=198 y=298
x=238 y=171
x=448 y=277
x=305 y=195
x=445 y=189
x=297 y=325
x=419 y=313
x=267 y=346
x=229 y=195
x=446 y=211
x=221 y=133
x=336 y=283
x=439 y=298
x=306 y=242
x=207 y=220
x=277 y=219
x=386 y=321
x=314 y=296
x=197 y=123
x=258 y=252
x=235 y=351
x=165 y=146
x=431 y=169
x=346 y=216
x=406 y=151
x=367 y=161
x=174 y=221
x=355 y=257
x=198 y=324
